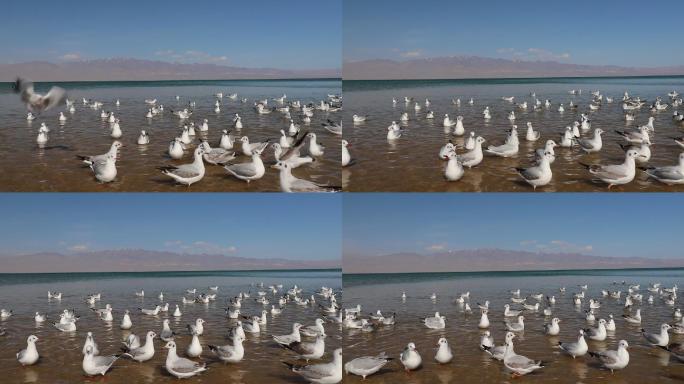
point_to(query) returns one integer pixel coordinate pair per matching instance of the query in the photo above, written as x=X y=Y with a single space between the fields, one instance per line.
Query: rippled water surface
x=470 y=364
x=61 y=357
x=24 y=166
x=411 y=163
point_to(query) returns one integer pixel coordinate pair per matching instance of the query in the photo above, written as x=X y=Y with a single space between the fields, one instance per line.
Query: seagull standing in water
x=29 y=356
x=325 y=373
x=187 y=174
x=410 y=358
x=617 y=174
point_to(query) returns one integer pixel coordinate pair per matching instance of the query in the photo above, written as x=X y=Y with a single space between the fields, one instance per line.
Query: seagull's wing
x=242 y=169
x=301 y=348
x=667 y=173
x=184 y=365
x=610 y=172
x=608 y=357
x=314 y=371
x=294 y=148
x=104 y=361
x=532 y=173
x=185 y=171
x=54 y=97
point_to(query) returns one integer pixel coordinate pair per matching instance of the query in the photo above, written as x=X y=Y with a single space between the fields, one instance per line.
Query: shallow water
x=24 y=166
x=411 y=163
x=470 y=364
x=61 y=357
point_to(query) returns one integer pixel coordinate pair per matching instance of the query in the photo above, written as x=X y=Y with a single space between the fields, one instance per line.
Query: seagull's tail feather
x=587 y=166
x=594 y=354
x=290 y=366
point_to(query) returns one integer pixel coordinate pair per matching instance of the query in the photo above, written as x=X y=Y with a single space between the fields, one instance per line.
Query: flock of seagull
x=598 y=329
x=288 y=148
x=579 y=135
x=306 y=342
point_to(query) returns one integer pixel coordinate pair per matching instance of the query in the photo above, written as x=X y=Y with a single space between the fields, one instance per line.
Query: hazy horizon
x=530 y=31
x=299 y=228
x=238 y=34
x=597 y=225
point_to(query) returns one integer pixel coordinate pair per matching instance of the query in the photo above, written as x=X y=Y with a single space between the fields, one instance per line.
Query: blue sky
x=266 y=33
x=301 y=227
x=627 y=33
x=605 y=224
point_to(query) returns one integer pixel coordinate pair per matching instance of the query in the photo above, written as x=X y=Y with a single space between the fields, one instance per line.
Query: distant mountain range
x=136 y=260
x=493 y=260
x=135 y=69
x=464 y=67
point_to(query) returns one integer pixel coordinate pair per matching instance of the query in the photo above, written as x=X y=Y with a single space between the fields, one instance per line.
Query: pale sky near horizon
x=298 y=227
x=625 y=33
x=602 y=224
x=267 y=33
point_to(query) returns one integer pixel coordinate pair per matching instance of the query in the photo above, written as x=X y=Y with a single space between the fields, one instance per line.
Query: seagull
x=90 y=342
x=538 y=175
x=144 y=353
x=144 y=138
x=636 y=137
x=166 y=334
x=519 y=364
x=509 y=148
x=617 y=174
x=444 y=354
x=578 y=348
x=113 y=151
x=592 y=145
x=552 y=329
x=598 y=333
x=498 y=352
x=454 y=169
x=216 y=156
x=484 y=320
x=670 y=175
x=333 y=127
x=531 y=134
x=614 y=360
x=289 y=183
x=198 y=327
x=359 y=118
x=308 y=351
x=36 y=102
x=508 y=312
x=29 y=356
x=366 y=365
x=661 y=339
x=346 y=157
x=474 y=156
x=435 y=322
x=97 y=365
x=410 y=358
x=315 y=149
x=180 y=367
x=325 y=373
x=248 y=148
x=151 y=312
x=176 y=148
x=195 y=348
x=633 y=319
x=249 y=171
x=187 y=174
x=289 y=338
x=518 y=326
x=314 y=330
x=230 y=353
x=644 y=150
x=393 y=131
